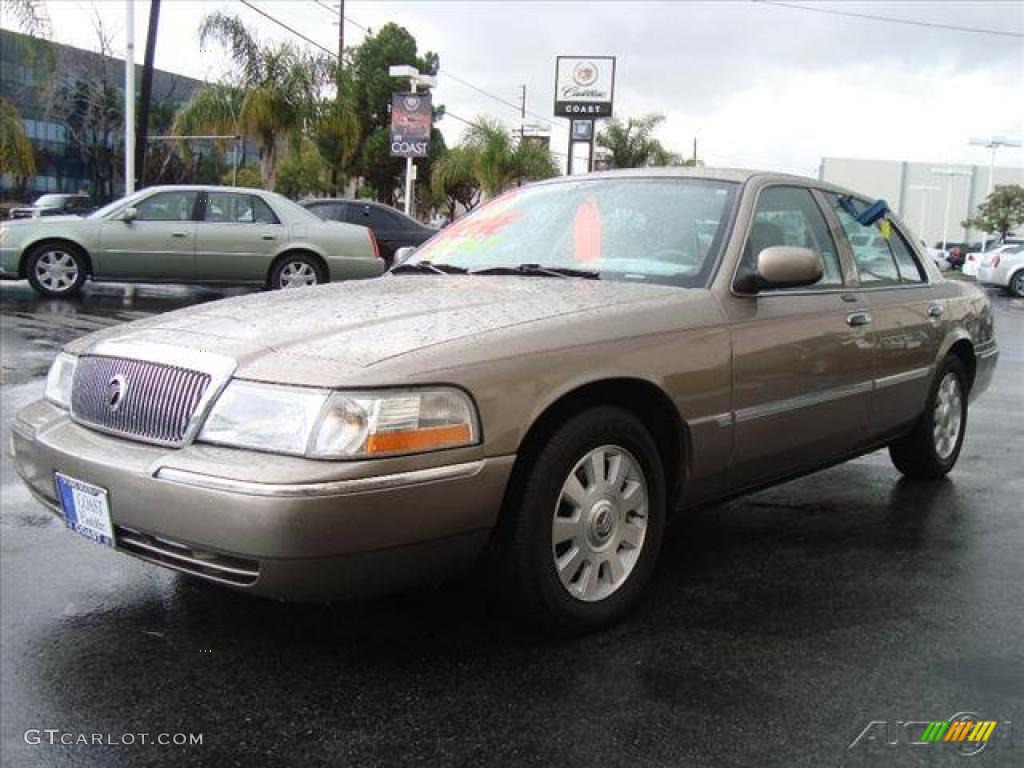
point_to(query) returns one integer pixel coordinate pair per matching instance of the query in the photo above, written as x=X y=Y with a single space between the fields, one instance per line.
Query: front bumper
x=276 y=526
x=9 y=258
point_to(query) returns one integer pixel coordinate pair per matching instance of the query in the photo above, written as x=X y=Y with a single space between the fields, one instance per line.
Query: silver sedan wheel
x=56 y=271
x=297 y=274
x=947 y=418
x=1017 y=284
x=600 y=523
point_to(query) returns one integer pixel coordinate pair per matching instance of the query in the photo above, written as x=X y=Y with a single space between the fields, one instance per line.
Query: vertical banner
x=411 y=120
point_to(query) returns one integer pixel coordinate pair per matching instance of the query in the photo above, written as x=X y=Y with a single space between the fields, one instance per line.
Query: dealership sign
x=411 y=118
x=584 y=86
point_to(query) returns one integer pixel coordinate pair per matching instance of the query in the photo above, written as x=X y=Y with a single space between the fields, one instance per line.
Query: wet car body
x=736 y=390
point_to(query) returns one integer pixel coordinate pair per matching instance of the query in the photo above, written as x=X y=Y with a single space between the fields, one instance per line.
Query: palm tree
x=453 y=180
x=632 y=144
x=271 y=100
x=17 y=157
x=499 y=162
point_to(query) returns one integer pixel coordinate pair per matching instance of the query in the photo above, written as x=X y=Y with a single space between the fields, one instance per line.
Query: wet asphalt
x=777 y=627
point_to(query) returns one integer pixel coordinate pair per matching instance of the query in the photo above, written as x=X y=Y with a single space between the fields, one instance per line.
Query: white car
x=938 y=256
x=1004 y=268
x=974 y=259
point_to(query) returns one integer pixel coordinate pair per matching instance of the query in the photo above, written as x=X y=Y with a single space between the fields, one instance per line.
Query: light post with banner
x=411 y=122
x=584 y=91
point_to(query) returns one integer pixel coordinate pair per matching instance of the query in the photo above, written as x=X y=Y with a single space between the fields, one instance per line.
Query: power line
x=295 y=32
x=893 y=19
x=334 y=11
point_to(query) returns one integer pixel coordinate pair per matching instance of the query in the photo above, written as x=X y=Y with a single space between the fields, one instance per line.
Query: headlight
x=58 y=380
x=341 y=425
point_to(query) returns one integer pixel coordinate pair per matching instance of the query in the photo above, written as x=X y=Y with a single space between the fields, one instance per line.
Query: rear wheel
x=296 y=271
x=588 y=523
x=932 y=448
x=1017 y=284
x=56 y=269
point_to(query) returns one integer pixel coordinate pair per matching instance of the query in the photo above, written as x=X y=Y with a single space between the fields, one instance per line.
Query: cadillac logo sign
x=411 y=120
x=117 y=389
x=584 y=86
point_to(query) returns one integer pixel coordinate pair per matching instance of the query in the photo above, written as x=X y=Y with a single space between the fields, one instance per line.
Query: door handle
x=849 y=298
x=935 y=310
x=179 y=234
x=269 y=237
x=855 y=319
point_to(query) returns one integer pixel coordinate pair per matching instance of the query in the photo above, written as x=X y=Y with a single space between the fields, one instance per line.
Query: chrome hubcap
x=948 y=416
x=297 y=274
x=600 y=523
x=1018 y=284
x=56 y=270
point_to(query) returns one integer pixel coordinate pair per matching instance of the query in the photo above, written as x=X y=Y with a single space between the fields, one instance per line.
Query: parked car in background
x=188 y=234
x=1004 y=268
x=938 y=257
x=546 y=381
x=56 y=205
x=393 y=229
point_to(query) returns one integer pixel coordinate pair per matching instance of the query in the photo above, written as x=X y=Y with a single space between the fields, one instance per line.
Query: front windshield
x=661 y=230
x=50 y=201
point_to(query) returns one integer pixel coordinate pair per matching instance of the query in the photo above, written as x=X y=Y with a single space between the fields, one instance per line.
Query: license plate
x=86 y=509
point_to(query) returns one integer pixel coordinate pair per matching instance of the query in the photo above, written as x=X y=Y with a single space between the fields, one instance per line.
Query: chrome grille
x=156 y=400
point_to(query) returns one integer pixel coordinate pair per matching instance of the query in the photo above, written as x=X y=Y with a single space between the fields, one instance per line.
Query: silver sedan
x=188 y=234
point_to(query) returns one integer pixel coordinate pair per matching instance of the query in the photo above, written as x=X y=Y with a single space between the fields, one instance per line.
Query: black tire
x=919 y=455
x=56 y=269
x=532 y=551
x=297 y=264
x=1016 y=284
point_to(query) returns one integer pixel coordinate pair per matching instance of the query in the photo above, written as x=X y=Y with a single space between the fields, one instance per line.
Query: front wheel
x=296 y=271
x=930 y=451
x=588 y=523
x=56 y=269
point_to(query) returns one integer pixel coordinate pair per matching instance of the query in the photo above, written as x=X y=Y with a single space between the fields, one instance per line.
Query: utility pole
x=341 y=40
x=522 y=112
x=147 y=88
x=129 y=99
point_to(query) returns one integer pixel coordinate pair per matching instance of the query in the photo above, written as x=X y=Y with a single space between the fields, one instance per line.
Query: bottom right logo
x=964 y=732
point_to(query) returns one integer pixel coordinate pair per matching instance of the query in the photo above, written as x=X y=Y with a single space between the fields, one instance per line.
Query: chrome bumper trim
x=902 y=378
x=333 y=488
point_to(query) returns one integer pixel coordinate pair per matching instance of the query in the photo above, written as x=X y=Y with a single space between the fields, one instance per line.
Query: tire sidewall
x=950 y=365
x=275 y=276
x=38 y=252
x=588 y=430
x=1012 y=285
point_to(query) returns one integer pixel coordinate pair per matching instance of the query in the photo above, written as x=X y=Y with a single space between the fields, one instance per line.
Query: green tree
x=278 y=86
x=453 y=180
x=499 y=162
x=372 y=87
x=632 y=143
x=337 y=130
x=17 y=156
x=1002 y=211
x=302 y=171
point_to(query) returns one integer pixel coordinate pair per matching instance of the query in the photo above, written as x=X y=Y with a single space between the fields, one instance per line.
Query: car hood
x=334 y=333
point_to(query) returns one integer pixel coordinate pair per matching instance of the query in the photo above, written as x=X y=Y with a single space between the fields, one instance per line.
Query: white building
x=918 y=192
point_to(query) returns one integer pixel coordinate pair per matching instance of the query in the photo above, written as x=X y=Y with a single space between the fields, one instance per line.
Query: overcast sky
x=758 y=84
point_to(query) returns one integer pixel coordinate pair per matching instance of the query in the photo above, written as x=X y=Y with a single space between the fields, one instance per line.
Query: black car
x=56 y=205
x=393 y=229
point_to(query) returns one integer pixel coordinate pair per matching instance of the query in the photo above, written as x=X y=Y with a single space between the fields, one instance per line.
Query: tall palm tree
x=275 y=90
x=17 y=157
x=453 y=179
x=499 y=162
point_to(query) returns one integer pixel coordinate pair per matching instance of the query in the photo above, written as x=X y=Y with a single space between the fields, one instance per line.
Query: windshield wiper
x=539 y=269
x=429 y=266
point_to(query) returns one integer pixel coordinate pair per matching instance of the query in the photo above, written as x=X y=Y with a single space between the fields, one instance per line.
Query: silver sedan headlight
x=58 y=380
x=322 y=424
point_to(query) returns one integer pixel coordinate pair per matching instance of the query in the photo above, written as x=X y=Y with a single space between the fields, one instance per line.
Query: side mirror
x=402 y=254
x=785 y=266
x=129 y=214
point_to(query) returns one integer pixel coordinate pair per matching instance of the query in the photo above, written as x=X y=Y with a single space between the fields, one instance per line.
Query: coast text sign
x=584 y=86
x=411 y=118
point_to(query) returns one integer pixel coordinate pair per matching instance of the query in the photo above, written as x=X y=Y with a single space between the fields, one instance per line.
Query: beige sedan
x=546 y=383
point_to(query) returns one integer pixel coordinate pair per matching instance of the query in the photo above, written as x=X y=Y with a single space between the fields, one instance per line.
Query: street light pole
x=129 y=99
x=993 y=143
x=409 y=167
x=949 y=173
x=415 y=79
x=924 y=189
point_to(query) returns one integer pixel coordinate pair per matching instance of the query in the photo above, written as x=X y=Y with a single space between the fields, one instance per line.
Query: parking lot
x=777 y=628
